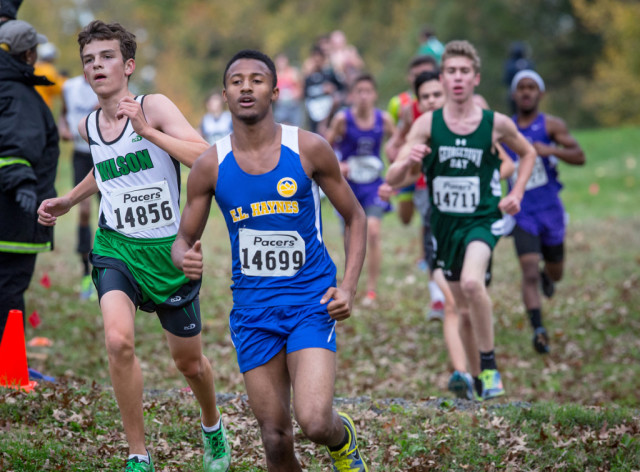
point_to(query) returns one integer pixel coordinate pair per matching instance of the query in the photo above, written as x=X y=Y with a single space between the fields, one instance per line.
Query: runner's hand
x=51 y=208
x=510 y=204
x=385 y=191
x=340 y=305
x=417 y=154
x=192 y=265
x=543 y=150
x=128 y=107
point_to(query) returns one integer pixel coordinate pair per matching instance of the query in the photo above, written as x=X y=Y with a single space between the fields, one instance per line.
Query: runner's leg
x=529 y=265
x=465 y=330
x=313 y=374
x=451 y=325
x=118 y=313
x=269 y=390
x=473 y=287
x=196 y=368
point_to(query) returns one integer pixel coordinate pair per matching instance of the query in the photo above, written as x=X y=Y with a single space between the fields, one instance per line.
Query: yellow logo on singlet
x=287 y=187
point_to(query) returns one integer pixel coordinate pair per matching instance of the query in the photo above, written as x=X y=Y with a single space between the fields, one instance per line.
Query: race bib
x=364 y=169
x=142 y=208
x=319 y=107
x=456 y=194
x=271 y=253
x=538 y=177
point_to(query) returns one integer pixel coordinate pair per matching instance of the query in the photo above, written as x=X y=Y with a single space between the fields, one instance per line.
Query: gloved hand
x=26 y=197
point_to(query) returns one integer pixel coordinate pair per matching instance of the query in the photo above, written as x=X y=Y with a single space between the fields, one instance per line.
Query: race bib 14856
x=142 y=208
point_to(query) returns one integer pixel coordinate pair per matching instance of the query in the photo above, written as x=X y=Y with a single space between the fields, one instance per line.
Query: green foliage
x=615 y=91
x=189 y=42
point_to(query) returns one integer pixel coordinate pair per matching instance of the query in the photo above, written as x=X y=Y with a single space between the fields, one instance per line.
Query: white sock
x=141 y=457
x=211 y=429
x=435 y=292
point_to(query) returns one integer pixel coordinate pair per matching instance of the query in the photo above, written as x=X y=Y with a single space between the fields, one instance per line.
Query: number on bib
x=538 y=177
x=364 y=169
x=456 y=194
x=271 y=253
x=319 y=107
x=142 y=208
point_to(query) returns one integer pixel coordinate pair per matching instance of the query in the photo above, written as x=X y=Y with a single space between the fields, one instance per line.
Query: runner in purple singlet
x=540 y=225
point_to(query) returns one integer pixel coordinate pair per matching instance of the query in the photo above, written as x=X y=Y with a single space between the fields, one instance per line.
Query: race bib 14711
x=456 y=194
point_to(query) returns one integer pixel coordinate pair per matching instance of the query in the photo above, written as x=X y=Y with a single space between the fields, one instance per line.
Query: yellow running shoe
x=348 y=458
x=491 y=384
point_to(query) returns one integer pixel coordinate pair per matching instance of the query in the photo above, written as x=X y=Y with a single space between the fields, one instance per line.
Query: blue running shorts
x=258 y=334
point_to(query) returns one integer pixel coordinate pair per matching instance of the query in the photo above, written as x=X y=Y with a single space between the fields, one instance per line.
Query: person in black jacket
x=28 y=163
x=8 y=10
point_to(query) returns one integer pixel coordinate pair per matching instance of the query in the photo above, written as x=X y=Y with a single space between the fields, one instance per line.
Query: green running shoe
x=217 y=453
x=87 y=290
x=491 y=384
x=136 y=465
x=461 y=385
x=348 y=458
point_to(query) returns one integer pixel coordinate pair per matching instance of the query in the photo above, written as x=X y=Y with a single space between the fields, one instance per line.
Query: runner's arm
x=336 y=129
x=164 y=125
x=335 y=132
x=389 y=126
x=406 y=169
x=507 y=166
x=508 y=134
x=570 y=152
x=397 y=139
x=51 y=208
x=326 y=172
x=185 y=252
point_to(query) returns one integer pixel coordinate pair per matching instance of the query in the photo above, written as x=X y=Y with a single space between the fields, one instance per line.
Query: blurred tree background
x=584 y=49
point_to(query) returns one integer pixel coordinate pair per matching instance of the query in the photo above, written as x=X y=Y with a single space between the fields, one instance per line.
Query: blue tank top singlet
x=543 y=186
x=275 y=229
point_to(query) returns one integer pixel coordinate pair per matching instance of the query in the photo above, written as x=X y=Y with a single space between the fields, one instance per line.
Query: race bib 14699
x=271 y=253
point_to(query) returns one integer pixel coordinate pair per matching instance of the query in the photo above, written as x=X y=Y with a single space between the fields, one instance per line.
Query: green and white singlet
x=463 y=174
x=139 y=183
x=463 y=171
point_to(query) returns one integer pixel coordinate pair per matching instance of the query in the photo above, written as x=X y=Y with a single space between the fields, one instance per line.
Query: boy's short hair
x=251 y=54
x=423 y=77
x=99 y=30
x=462 y=48
x=421 y=60
x=364 y=78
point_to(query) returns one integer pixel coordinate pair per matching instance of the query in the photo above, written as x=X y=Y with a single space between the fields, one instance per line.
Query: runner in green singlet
x=456 y=148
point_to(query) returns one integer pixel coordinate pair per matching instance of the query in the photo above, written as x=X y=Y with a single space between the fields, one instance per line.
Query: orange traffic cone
x=13 y=355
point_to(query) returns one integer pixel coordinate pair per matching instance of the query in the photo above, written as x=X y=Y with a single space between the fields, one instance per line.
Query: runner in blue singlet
x=266 y=179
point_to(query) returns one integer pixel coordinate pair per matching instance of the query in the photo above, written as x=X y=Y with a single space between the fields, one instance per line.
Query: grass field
x=576 y=409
